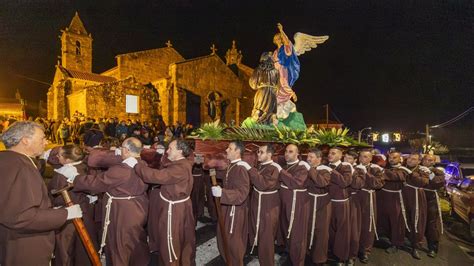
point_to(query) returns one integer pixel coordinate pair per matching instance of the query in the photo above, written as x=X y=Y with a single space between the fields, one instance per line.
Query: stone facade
x=166 y=83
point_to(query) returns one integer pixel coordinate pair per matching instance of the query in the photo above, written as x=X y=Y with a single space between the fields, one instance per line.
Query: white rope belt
x=108 y=207
x=232 y=214
x=402 y=205
x=169 y=232
x=439 y=206
x=313 y=222
x=417 y=205
x=353 y=193
x=372 y=212
x=293 y=206
x=260 y=193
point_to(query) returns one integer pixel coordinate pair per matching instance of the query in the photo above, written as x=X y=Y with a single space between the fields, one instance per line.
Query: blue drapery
x=291 y=63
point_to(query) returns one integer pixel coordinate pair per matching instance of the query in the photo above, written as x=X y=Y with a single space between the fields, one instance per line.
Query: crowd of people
x=137 y=200
x=89 y=131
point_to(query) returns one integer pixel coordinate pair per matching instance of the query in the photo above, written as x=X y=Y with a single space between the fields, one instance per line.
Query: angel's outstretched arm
x=284 y=38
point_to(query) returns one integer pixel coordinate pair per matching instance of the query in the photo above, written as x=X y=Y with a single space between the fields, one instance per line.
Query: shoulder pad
x=376 y=166
x=405 y=169
x=348 y=164
x=305 y=164
x=244 y=164
x=276 y=165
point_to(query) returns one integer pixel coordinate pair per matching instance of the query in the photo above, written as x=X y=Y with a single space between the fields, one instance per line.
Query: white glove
x=69 y=171
x=324 y=167
x=244 y=164
x=118 y=152
x=432 y=175
x=146 y=146
x=216 y=191
x=46 y=154
x=74 y=212
x=160 y=149
x=92 y=199
x=425 y=169
x=361 y=167
x=130 y=161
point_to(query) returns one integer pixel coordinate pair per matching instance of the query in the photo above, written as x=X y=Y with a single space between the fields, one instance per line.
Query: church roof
x=195 y=59
x=155 y=50
x=76 y=25
x=86 y=76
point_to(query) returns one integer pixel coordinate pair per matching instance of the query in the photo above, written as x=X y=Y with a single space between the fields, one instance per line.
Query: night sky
x=388 y=64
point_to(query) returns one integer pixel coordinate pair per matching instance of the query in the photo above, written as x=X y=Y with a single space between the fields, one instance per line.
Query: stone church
x=146 y=84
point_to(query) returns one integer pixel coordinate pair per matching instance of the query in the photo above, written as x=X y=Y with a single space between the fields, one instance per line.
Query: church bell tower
x=76 y=47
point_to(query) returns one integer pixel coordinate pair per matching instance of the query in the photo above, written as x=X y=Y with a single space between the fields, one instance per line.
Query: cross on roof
x=213 y=49
x=168 y=44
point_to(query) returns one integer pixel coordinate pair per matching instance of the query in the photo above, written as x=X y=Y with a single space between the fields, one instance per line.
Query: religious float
x=274 y=117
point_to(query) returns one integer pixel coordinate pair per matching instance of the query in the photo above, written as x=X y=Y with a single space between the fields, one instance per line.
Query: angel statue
x=286 y=61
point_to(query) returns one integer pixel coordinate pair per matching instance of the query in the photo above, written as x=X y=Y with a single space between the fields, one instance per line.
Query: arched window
x=78 y=48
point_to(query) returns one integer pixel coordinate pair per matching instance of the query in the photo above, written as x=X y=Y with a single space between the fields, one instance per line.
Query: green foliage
x=283 y=134
x=213 y=130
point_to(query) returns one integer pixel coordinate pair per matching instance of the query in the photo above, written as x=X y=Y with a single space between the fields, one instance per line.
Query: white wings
x=305 y=42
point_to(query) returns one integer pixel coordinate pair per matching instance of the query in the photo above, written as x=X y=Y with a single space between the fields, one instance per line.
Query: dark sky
x=389 y=64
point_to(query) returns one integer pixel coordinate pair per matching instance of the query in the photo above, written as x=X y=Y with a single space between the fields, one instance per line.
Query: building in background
x=150 y=83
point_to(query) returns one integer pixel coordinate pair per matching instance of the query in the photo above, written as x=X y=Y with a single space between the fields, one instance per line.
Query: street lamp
x=360 y=132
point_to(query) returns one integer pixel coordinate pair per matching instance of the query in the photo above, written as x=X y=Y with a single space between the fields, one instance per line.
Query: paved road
x=453 y=251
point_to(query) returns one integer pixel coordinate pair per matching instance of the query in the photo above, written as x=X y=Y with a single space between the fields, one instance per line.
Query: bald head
x=291 y=153
x=131 y=147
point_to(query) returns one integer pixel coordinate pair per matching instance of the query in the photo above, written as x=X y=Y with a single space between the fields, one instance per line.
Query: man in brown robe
x=98 y=161
x=234 y=205
x=27 y=219
x=125 y=209
x=358 y=180
x=319 y=177
x=264 y=205
x=340 y=228
x=391 y=214
x=175 y=225
x=415 y=201
x=367 y=202
x=69 y=248
x=198 y=197
x=294 y=205
x=434 y=220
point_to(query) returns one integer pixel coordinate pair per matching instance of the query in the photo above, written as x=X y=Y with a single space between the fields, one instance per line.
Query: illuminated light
x=131 y=104
x=397 y=136
x=375 y=136
x=385 y=137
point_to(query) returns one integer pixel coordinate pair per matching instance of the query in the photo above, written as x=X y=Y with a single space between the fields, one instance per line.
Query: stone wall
x=72 y=60
x=202 y=76
x=109 y=100
x=78 y=102
x=147 y=66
